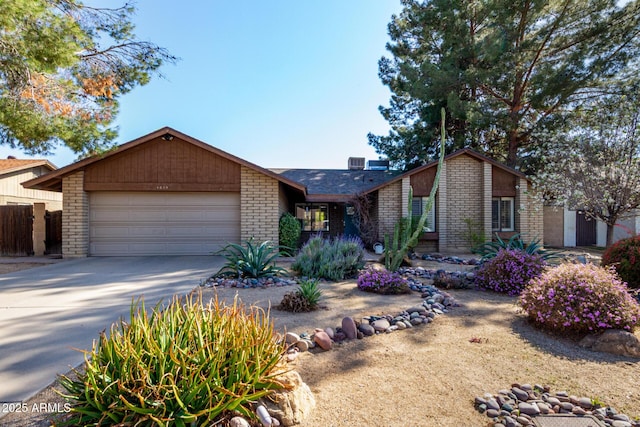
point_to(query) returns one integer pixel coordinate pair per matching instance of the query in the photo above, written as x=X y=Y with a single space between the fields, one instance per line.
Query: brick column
x=75 y=216
x=259 y=206
x=487 y=212
x=442 y=207
x=39 y=229
x=389 y=208
x=406 y=185
x=522 y=211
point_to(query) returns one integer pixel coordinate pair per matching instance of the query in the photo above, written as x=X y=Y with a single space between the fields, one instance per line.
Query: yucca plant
x=304 y=299
x=489 y=250
x=186 y=364
x=250 y=260
x=309 y=291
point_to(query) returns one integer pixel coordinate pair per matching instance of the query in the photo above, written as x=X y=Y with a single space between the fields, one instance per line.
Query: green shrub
x=183 y=364
x=250 y=260
x=509 y=271
x=289 y=230
x=624 y=256
x=382 y=282
x=331 y=259
x=305 y=298
x=580 y=298
x=489 y=250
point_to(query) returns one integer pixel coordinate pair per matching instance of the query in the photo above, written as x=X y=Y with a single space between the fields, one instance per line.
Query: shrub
x=250 y=260
x=186 y=363
x=624 y=256
x=305 y=298
x=580 y=298
x=289 y=230
x=509 y=271
x=331 y=259
x=382 y=282
x=489 y=250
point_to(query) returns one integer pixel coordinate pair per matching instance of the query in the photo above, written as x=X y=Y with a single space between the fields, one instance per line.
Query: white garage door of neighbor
x=139 y=223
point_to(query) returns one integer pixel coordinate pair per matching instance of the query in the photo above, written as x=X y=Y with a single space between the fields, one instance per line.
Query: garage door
x=139 y=223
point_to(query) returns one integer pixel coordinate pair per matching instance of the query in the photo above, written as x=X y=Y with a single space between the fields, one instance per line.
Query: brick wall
x=75 y=216
x=531 y=212
x=389 y=208
x=259 y=206
x=465 y=195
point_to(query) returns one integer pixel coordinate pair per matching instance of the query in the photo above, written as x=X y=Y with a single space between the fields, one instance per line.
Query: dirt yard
x=428 y=375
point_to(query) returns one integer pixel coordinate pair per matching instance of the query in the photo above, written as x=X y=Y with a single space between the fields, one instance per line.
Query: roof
x=15 y=165
x=463 y=151
x=53 y=181
x=324 y=185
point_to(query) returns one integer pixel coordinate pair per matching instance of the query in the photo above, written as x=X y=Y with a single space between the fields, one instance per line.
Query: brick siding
x=389 y=208
x=465 y=195
x=259 y=206
x=75 y=216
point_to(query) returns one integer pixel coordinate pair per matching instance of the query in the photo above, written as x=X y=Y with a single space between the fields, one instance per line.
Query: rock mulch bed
x=519 y=405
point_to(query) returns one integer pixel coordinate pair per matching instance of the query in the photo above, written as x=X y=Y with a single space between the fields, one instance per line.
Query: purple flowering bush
x=382 y=282
x=580 y=298
x=509 y=271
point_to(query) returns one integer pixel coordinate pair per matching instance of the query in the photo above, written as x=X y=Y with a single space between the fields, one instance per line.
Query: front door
x=350 y=228
x=585 y=230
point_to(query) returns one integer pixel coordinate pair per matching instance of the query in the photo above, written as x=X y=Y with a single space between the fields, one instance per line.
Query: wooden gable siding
x=503 y=183
x=160 y=165
x=422 y=182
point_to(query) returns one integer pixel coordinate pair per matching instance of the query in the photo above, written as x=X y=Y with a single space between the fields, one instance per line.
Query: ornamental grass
x=186 y=364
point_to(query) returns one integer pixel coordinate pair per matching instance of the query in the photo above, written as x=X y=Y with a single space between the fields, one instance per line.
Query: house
x=13 y=172
x=564 y=227
x=169 y=193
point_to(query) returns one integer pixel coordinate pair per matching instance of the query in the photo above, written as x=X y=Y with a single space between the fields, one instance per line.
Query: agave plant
x=489 y=250
x=250 y=260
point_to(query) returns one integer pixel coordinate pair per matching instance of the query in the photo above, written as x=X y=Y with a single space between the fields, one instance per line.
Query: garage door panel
x=162 y=223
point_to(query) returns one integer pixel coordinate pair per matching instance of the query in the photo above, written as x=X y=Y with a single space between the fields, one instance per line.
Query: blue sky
x=281 y=83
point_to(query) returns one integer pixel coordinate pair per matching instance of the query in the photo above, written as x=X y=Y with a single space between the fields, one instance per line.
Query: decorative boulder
x=614 y=341
x=293 y=406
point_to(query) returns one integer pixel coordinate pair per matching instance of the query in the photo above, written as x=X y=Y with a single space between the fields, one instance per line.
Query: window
x=313 y=216
x=502 y=213
x=418 y=205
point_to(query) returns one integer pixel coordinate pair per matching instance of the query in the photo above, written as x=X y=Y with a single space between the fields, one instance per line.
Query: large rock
x=322 y=339
x=349 y=328
x=291 y=406
x=614 y=341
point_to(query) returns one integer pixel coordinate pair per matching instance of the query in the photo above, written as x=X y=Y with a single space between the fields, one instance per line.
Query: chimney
x=356 y=163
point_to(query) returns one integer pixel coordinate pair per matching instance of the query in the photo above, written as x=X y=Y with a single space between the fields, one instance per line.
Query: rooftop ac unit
x=356 y=163
x=378 y=165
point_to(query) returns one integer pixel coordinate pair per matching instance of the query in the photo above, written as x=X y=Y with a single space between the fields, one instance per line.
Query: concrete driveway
x=48 y=312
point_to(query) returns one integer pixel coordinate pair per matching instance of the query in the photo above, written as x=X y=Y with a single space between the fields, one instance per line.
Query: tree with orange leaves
x=59 y=81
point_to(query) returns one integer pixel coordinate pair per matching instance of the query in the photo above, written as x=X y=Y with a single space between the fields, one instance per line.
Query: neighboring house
x=564 y=227
x=13 y=172
x=168 y=193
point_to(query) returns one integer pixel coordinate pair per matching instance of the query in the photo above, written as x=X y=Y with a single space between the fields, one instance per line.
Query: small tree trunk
x=610 y=230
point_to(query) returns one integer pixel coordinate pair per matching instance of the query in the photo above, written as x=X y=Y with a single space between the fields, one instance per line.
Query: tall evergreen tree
x=63 y=66
x=503 y=69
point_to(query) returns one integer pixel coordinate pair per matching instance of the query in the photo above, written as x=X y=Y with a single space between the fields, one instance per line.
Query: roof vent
x=378 y=165
x=356 y=163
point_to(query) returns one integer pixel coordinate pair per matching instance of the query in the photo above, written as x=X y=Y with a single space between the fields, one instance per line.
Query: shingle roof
x=336 y=183
x=12 y=165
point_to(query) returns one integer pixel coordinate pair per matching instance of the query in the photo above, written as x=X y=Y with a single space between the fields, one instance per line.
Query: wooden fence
x=53 y=224
x=16 y=230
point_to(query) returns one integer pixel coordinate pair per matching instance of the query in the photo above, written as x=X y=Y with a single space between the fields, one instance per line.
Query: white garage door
x=139 y=223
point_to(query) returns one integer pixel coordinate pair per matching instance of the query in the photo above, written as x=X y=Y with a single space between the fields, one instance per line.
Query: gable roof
x=332 y=185
x=434 y=164
x=53 y=181
x=14 y=165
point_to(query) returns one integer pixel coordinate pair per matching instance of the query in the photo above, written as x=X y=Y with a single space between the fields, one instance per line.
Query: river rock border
x=519 y=405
